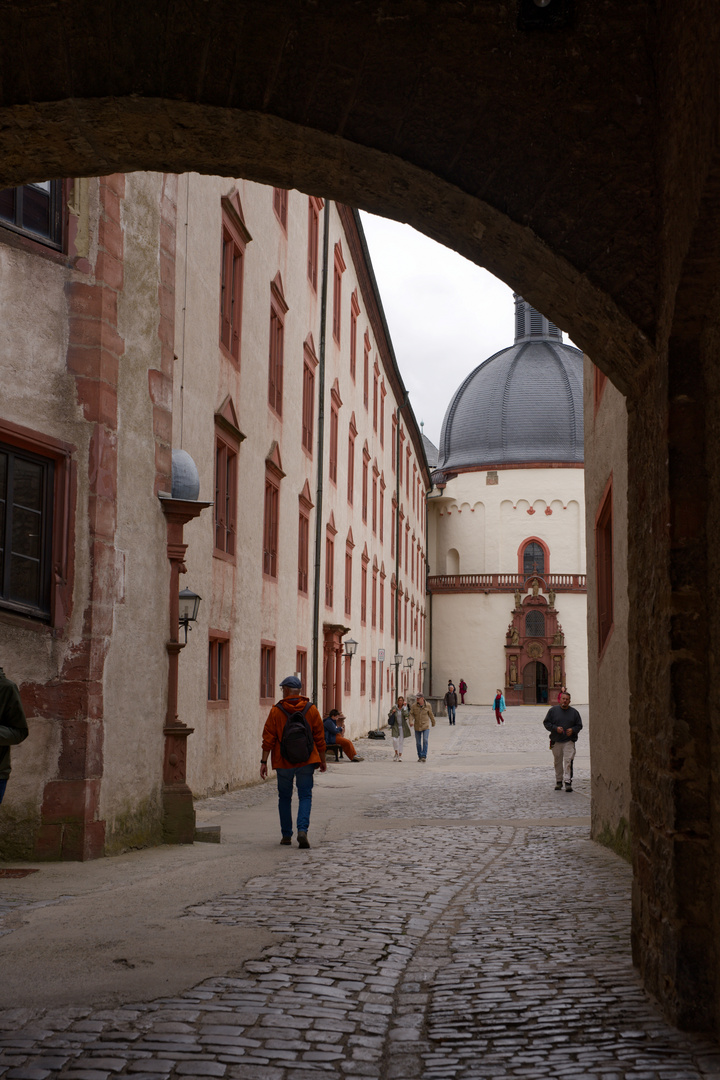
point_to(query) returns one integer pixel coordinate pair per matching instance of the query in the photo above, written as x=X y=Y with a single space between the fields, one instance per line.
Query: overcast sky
x=445 y=314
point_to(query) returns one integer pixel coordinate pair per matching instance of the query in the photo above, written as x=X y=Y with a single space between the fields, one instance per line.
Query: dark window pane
x=37 y=209
x=535 y=624
x=27 y=488
x=533 y=559
x=25 y=580
x=7 y=204
x=26 y=532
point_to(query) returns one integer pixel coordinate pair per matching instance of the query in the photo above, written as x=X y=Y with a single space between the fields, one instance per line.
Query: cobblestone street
x=462 y=925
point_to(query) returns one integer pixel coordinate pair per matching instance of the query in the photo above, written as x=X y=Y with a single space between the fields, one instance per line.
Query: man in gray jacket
x=13 y=726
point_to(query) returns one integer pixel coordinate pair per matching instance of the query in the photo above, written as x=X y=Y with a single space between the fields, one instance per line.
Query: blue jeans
x=451 y=713
x=421 y=741
x=303 y=775
x=3 y=785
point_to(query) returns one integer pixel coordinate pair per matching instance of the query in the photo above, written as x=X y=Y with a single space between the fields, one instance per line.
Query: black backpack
x=296 y=742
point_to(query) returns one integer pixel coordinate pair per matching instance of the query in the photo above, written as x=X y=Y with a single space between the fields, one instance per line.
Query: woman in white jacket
x=399 y=721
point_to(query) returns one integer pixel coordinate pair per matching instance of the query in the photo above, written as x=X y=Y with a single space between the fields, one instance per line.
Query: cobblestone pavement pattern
x=445 y=950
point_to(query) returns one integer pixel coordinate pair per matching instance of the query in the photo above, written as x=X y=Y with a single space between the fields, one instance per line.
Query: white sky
x=445 y=314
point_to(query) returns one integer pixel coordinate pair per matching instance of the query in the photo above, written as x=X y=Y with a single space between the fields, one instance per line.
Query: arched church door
x=535 y=683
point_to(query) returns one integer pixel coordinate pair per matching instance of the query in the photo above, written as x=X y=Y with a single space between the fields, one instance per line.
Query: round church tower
x=506 y=538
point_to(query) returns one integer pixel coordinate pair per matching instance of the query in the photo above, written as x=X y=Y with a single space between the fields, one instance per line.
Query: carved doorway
x=535 y=683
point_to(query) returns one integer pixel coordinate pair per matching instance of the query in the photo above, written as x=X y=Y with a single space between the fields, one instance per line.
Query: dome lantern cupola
x=530 y=325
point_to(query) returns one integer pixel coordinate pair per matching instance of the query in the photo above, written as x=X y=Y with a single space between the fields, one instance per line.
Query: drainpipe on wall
x=429 y=594
x=320 y=456
x=397 y=541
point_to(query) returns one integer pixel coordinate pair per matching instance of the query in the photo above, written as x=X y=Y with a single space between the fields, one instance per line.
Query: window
x=280 y=206
x=218 y=666
x=301 y=668
x=392 y=529
x=381 y=511
x=314 y=208
x=365 y=467
x=374 y=498
x=348 y=675
x=604 y=566
x=278 y=310
x=533 y=559
x=26 y=531
x=363 y=675
x=36 y=211
x=270 y=526
x=363 y=588
x=352 y=433
x=225 y=496
x=535 y=624
x=267 y=670
x=303 y=550
x=348 y=580
x=308 y=402
x=375 y=399
x=333 y=447
x=383 y=392
x=373 y=678
x=354 y=312
x=373 y=603
x=338 y=270
x=329 y=567
x=234 y=238
x=407 y=474
x=382 y=602
x=400 y=455
x=366 y=370
x=393 y=596
x=393 y=449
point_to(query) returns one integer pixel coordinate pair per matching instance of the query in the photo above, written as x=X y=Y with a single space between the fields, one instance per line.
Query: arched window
x=535 y=624
x=533 y=559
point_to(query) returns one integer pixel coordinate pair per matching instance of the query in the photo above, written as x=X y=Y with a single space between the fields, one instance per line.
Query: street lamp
x=189 y=604
x=350 y=646
x=409 y=662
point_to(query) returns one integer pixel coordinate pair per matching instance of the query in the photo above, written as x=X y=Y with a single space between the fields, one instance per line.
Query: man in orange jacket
x=302 y=773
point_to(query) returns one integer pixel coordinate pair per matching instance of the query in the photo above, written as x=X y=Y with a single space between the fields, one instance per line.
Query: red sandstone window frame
x=383 y=394
x=271 y=525
x=303 y=550
x=365 y=559
x=366 y=370
x=276 y=346
x=347 y=682
x=381 y=602
x=604 y=567
x=56 y=235
x=330 y=533
x=521 y=556
x=218 y=669
x=61 y=546
x=354 y=312
x=301 y=668
x=315 y=205
x=235 y=238
x=364 y=489
x=373 y=679
x=338 y=271
x=352 y=435
x=267 y=672
x=310 y=362
x=280 y=206
x=363 y=676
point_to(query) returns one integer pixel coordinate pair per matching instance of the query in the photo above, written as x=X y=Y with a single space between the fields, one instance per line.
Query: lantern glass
x=350 y=646
x=189 y=604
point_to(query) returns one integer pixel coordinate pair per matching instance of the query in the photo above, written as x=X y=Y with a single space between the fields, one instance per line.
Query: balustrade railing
x=504 y=582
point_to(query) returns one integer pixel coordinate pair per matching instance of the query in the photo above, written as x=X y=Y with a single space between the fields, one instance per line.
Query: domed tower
x=506 y=523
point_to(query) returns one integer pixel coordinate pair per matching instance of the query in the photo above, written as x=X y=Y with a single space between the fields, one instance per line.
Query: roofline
x=360 y=254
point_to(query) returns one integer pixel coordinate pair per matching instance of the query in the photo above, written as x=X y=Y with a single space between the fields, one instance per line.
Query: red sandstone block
x=64 y=800
x=93 y=363
x=167 y=238
x=81 y=751
x=166 y=303
x=114 y=182
x=110 y=202
x=93 y=301
x=166 y=332
x=56 y=700
x=162 y=424
x=160 y=389
x=110 y=238
x=109 y=270
x=102 y=516
x=167 y=271
x=102 y=463
x=167 y=361
x=99 y=402
x=163 y=460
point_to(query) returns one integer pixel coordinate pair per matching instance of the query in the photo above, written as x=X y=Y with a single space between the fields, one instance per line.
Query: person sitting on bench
x=334 y=724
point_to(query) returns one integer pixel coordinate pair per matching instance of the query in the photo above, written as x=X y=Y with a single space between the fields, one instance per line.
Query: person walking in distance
x=499 y=706
x=451 y=702
x=398 y=719
x=421 y=717
x=564 y=724
x=463 y=691
x=294 y=736
x=334 y=725
x=13 y=726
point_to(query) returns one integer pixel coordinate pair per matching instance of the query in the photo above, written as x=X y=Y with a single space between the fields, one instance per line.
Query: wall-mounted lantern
x=189 y=604
x=350 y=646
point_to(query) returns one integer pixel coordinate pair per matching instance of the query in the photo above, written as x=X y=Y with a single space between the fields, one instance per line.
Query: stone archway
x=539 y=156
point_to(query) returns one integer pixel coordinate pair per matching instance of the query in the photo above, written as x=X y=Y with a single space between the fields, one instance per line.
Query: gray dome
x=524 y=405
x=185 y=476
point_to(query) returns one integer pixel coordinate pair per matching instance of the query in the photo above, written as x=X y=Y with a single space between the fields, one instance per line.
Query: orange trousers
x=346 y=746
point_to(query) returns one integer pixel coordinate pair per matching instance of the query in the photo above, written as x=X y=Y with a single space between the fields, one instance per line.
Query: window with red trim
x=308 y=406
x=226 y=456
x=301 y=668
x=383 y=392
x=35 y=211
x=373 y=602
x=374 y=500
x=351 y=464
x=363 y=675
x=366 y=372
x=381 y=603
x=234 y=238
x=278 y=310
x=280 y=205
x=270 y=526
x=218 y=666
x=333 y=445
x=363 y=590
x=348 y=581
x=303 y=550
x=329 y=569
x=373 y=678
x=267 y=671
x=375 y=402
x=314 y=206
x=338 y=270
x=365 y=469
x=354 y=312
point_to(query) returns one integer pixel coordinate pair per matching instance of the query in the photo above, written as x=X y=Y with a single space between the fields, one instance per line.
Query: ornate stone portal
x=534 y=647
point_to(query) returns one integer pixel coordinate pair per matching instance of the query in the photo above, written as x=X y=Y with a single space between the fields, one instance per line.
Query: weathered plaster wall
x=606 y=460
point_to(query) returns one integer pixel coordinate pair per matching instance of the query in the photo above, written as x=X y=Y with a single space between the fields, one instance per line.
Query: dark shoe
x=558 y=786
x=286 y=841
x=568 y=787
x=303 y=840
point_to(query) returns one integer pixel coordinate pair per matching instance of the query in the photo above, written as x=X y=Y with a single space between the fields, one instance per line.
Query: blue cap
x=292 y=682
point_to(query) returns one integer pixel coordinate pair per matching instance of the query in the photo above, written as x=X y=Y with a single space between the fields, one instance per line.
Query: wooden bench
x=333 y=748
